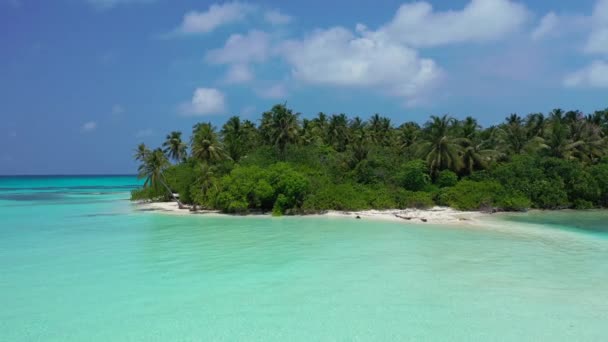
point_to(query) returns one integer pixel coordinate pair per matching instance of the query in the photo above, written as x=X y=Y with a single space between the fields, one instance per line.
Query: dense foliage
x=289 y=165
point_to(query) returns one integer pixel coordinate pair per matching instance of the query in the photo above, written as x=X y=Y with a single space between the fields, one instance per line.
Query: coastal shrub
x=288 y=184
x=469 y=195
x=337 y=197
x=180 y=178
x=149 y=193
x=379 y=197
x=414 y=199
x=414 y=175
x=254 y=188
x=446 y=178
x=578 y=183
x=581 y=204
x=519 y=175
x=549 y=194
x=513 y=201
x=600 y=174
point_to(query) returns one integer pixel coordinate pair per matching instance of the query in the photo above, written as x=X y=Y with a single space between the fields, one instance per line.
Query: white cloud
x=238 y=73
x=598 y=40
x=148 y=132
x=238 y=52
x=276 y=17
x=547 y=25
x=107 y=4
x=89 y=126
x=118 y=109
x=205 y=101
x=251 y=47
x=214 y=17
x=339 y=57
x=275 y=91
x=594 y=75
x=418 y=25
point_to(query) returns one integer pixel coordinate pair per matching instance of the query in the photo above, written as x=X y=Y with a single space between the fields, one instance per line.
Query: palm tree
x=557 y=136
x=233 y=136
x=592 y=145
x=206 y=179
x=407 y=136
x=141 y=152
x=337 y=132
x=175 y=148
x=469 y=128
x=281 y=127
x=308 y=135
x=476 y=156
x=535 y=125
x=439 y=149
x=205 y=145
x=359 y=140
x=380 y=130
x=321 y=127
x=152 y=168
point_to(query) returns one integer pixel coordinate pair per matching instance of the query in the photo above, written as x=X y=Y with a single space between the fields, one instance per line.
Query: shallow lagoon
x=80 y=262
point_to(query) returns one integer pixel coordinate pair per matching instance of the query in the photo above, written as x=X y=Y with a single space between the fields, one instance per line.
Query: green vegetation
x=291 y=165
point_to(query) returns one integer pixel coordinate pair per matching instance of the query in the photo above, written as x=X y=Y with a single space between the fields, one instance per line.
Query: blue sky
x=83 y=81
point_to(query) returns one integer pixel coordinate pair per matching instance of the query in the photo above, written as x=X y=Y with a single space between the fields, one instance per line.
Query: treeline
x=289 y=165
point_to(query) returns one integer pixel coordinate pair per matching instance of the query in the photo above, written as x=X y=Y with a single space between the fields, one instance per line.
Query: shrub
x=582 y=204
x=411 y=199
x=180 y=178
x=150 y=193
x=549 y=194
x=600 y=174
x=413 y=175
x=337 y=197
x=446 y=178
x=251 y=187
x=514 y=201
x=469 y=195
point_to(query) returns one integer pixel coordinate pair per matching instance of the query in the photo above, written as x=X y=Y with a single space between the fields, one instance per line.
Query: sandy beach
x=435 y=215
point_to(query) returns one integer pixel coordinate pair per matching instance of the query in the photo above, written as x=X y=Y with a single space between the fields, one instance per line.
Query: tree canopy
x=285 y=163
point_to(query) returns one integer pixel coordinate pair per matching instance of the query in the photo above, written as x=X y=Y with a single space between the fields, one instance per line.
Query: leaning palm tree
x=440 y=149
x=175 y=148
x=141 y=152
x=205 y=145
x=477 y=156
x=152 y=169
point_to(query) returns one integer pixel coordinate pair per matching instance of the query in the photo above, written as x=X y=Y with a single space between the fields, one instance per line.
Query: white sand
x=436 y=215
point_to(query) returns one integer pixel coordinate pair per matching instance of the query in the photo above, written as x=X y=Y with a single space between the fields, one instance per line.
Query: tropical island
x=287 y=165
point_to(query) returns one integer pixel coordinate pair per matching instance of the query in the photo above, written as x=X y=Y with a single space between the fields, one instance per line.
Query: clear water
x=79 y=262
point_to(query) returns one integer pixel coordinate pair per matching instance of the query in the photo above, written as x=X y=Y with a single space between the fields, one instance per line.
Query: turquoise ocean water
x=79 y=262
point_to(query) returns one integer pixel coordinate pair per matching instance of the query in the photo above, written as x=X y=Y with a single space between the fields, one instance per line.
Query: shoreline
x=434 y=215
